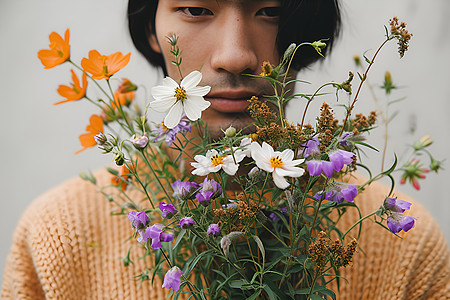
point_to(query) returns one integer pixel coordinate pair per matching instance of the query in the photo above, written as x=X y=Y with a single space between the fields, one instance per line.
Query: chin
x=239 y=121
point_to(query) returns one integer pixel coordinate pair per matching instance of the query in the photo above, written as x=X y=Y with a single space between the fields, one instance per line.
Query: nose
x=234 y=51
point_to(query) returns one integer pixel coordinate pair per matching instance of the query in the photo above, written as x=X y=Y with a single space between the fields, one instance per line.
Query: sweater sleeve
x=20 y=279
x=68 y=245
x=414 y=266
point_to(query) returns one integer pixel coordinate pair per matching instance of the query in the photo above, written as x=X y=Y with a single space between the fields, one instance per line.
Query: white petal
x=198 y=91
x=194 y=105
x=230 y=168
x=174 y=115
x=200 y=171
x=191 y=80
x=286 y=155
x=290 y=171
x=280 y=181
x=295 y=162
x=169 y=82
x=163 y=105
x=267 y=149
x=161 y=91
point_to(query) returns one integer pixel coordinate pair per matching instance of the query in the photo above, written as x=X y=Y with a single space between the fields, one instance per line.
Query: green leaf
x=237 y=284
x=260 y=246
x=315 y=297
x=196 y=260
x=272 y=295
x=179 y=238
x=329 y=293
x=89 y=177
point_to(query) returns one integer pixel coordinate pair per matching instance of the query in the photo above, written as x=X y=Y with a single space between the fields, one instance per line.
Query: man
x=67 y=245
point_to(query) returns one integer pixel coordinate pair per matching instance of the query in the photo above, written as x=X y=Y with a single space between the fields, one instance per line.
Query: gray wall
x=38 y=139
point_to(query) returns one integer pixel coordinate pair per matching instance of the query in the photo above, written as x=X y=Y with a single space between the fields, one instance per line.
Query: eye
x=195 y=11
x=271 y=12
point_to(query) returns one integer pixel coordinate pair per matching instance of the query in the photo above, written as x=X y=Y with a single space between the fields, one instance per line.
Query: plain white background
x=38 y=140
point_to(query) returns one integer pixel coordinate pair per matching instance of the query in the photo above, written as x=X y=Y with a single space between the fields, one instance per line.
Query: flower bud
x=357 y=60
x=230 y=132
x=139 y=142
x=424 y=142
x=319 y=45
x=187 y=223
x=168 y=210
x=119 y=159
x=289 y=51
x=213 y=229
x=435 y=165
x=107 y=147
x=126 y=86
x=254 y=172
x=100 y=139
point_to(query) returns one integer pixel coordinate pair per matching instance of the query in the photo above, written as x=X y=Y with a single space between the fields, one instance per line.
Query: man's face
x=224 y=39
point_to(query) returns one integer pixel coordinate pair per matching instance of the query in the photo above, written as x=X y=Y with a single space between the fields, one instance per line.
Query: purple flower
x=172 y=279
x=230 y=205
x=213 y=230
x=138 y=219
x=343 y=139
x=211 y=185
x=275 y=217
x=339 y=193
x=316 y=167
x=184 y=126
x=183 y=190
x=311 y=147
x=396 y=221
x=204 y=197
x=339 y=158
x=186 y=222
x=168 y=210
x=156 y=234
x=395 y=205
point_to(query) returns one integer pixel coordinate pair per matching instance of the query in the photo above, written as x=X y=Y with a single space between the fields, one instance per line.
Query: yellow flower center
x=180 y=93
x=164 y=127
x=217 y=160
x=276 y=162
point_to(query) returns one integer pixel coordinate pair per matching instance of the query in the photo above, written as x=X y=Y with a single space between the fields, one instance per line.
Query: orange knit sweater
x=67 y=245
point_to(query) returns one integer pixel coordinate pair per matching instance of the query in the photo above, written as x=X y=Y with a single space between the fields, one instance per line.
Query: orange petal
x=116 y=62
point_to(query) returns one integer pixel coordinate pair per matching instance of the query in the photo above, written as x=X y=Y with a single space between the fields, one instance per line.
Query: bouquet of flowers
x=252 y=216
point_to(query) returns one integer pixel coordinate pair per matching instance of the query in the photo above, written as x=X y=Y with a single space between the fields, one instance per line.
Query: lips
x=230 y=101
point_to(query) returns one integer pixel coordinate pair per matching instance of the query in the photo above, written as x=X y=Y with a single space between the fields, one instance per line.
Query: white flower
x=280 y=164
x=213 y=162
x=186 y=98
x=245 y=146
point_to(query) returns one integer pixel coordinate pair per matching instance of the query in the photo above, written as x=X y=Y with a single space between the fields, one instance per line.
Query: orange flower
x=123 y=179
x=75 y=91
x=122 y=99
x=124 y=94
x=102 y=66
x=95 y=127
x=58 y=53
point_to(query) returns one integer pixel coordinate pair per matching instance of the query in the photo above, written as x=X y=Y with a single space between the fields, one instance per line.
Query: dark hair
x=300 y=21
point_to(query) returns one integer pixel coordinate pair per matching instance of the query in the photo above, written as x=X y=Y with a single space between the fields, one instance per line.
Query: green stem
x=359 y=221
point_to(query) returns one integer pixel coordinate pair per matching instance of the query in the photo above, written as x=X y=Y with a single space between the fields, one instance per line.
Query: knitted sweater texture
x=67 y=245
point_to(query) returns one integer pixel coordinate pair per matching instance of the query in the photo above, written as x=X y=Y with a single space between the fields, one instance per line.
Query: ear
x=153 y=42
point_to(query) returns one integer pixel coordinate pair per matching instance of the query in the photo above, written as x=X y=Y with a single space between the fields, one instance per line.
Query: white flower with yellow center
x=280 y=164
x=213 y=161
x=177 y=99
